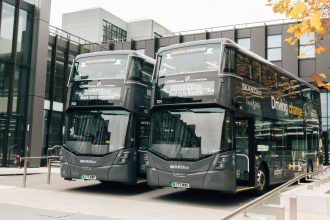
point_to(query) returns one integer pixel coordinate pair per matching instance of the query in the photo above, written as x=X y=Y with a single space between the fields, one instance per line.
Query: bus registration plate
x=87 y=177
x=179 y=185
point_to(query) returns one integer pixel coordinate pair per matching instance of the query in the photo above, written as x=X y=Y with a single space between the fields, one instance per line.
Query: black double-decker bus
x=108 y=122
x=224 y=118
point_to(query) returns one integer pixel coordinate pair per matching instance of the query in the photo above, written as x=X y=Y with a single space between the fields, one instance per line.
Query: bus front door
x=244 y=134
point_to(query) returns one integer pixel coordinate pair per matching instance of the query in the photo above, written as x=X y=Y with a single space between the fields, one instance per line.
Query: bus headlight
x=123 y=158
x=146 y=160
x=221 y=164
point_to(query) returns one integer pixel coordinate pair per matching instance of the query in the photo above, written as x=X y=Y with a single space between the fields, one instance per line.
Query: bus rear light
x=123 y=158
x=222 y=162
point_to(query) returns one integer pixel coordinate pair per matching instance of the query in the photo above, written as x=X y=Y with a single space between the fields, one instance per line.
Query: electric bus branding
x=87 y=161
x=279 y=105
x=251 y=89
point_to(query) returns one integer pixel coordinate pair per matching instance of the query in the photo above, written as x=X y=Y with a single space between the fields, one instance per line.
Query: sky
x=176 y=15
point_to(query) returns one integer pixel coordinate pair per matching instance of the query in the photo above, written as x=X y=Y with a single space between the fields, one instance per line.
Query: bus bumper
x=105 y=168
x=197 y=175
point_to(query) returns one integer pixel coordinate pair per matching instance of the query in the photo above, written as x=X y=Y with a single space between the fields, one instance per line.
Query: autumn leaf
x=322 y=75
x=289 y=40
x=297 y=9
x=301 y=55
x=314 y=76
x=291 y=29
x=321 y=49
x=315 y=21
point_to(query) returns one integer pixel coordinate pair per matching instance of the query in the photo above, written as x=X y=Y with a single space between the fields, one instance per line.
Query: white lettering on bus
x=279 y=105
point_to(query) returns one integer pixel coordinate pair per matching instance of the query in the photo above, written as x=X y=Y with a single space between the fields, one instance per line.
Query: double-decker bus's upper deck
x=196 y=73
x=107 y=78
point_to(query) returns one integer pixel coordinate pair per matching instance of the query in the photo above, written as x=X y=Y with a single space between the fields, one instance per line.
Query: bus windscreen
x=187 y=134
x=100 y=67
x=192 y=59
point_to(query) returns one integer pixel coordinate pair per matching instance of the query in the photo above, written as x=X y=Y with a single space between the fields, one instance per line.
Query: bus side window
x=135 y=70
x=283 y=84
x=306 y=93
x=229 y=62
x=268 y=77
x=227 y=136
x=294 y=88
x=243 y=66
x=256 y=71
x=147 y=70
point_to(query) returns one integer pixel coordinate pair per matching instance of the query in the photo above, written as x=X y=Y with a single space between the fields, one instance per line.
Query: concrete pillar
x=35 y=118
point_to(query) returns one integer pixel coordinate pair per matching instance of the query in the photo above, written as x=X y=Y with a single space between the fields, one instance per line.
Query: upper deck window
x=193 y=59
x=100 y=67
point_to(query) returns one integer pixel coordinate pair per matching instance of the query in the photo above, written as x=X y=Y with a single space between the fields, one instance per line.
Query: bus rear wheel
x=262 y=181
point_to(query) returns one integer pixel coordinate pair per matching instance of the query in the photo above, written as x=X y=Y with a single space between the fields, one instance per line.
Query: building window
x=274 y=47
x=307 y=45
x=112 y=33
x=245 y=42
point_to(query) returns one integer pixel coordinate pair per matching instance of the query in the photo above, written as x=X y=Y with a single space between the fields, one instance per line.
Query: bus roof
x=117 y=52
x=242 y=49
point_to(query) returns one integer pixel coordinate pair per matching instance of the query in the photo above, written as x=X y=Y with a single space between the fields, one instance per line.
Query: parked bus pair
x=209 y=115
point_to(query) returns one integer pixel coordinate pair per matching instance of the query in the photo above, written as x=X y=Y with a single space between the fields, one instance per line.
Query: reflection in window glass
x=243 y=66
x=99 y=132
x=6 y=32
x=188 y=133
x=245 y=42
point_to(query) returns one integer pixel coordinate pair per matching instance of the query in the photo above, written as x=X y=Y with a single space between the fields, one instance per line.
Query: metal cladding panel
x=229 y=34
x=165 y=41
x=150 y=48
x=200 y=36
x=127 y=46
x=243 y=33
x=140 y=44
x=258 y=41
x=322 y=59
x=306 y=67
x=289 y=53
x=274 y=30
x=188 y=38
x=214 y=35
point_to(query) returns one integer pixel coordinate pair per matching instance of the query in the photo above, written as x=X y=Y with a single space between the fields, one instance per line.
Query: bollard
x=49 y=170
x=25 y=171
x=280 y=213
x=293 y=208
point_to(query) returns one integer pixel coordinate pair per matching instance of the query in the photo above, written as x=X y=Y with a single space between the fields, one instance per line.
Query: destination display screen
x=98 y=94
x=190 y=89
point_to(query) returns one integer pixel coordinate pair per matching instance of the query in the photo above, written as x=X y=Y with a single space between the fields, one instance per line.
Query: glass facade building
x=16 y=25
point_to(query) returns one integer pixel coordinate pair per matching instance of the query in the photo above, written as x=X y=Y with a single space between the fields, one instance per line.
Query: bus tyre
x=262 y=181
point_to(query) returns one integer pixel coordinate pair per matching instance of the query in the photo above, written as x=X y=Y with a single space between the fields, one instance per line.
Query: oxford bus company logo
x=98 y=84
x=180 y=167
x=187 y=79
x=88 y=161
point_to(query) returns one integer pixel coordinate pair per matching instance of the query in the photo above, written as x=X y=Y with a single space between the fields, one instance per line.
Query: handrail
x=49 y=162
x=243 y=209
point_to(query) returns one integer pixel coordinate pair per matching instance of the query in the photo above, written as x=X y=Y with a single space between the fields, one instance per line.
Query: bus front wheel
x=262 y=181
